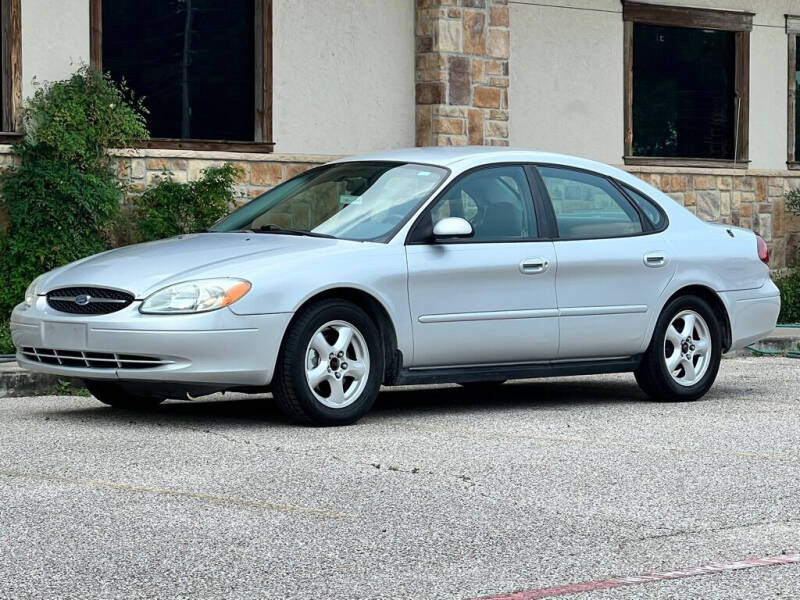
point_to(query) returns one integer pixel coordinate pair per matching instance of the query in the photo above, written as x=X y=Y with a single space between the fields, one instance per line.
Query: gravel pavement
x=436 y=494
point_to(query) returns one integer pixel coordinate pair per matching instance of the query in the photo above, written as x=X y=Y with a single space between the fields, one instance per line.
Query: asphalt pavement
x=438 y=493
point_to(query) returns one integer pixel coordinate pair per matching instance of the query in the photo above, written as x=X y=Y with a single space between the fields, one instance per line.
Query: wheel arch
x=714 y=301
x=374 y=308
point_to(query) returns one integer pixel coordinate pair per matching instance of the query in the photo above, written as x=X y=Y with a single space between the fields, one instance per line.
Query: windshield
x=351 y=201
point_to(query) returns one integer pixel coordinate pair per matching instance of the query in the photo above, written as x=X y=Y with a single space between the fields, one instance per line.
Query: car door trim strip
x=581 y=311
x=585 y=311
x=490 y=316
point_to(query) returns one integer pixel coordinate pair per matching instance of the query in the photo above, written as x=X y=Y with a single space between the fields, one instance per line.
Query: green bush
x=790 y=298
x=6 y=347
x=172 y=208
x=62 y=197
x=790 y=285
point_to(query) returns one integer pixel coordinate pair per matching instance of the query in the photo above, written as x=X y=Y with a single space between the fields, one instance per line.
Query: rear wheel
x=683 y=358
x=115 y=395
x=330 y=366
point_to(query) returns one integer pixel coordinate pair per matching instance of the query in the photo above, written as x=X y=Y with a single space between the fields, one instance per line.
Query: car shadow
x=416 y=401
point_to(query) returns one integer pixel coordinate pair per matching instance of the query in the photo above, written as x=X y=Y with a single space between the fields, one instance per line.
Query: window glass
x=588 y=206
x=648 y=207
x=192 y=60
x=496 y=201
x=683 y=92
x=353 y=201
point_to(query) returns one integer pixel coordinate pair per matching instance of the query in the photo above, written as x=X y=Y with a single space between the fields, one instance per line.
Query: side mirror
x=452 y=227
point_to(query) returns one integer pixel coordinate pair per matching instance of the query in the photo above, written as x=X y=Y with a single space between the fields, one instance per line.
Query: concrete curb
x=16 y=381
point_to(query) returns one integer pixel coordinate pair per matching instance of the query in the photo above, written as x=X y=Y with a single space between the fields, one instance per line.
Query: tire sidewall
x=701 y=307
x=321 y=314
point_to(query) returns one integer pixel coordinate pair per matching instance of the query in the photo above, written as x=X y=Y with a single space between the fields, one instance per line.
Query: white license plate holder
x=65 y=336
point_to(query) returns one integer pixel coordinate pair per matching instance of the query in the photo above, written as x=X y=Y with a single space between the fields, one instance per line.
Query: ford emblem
x=82 y=300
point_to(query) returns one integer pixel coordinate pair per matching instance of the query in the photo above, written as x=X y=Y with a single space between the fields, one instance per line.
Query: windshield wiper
x=272 y=228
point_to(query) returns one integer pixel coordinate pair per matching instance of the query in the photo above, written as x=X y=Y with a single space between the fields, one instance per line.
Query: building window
x=793 y=30
x=11 y=78
x=686 y=85
x=202 y=66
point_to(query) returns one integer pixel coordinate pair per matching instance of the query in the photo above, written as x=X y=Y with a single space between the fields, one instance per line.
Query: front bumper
x=753 y=313
x=218 y=348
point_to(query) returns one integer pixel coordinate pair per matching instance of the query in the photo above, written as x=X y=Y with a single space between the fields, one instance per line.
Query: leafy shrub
x=172 y=208
x=63 y=195
x=790 y=285
x=790 y=298
x=793 y=201
x=6 y=347
x=78 y=119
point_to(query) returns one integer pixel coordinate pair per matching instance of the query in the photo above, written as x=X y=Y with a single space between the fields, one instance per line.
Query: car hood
x=144 y=268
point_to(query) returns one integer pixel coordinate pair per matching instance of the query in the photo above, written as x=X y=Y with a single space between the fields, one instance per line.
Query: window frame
x=647 y=226
x=262 y=139
x=538 y=206
x=792 y=33
x=11 y=59
x=739 y=22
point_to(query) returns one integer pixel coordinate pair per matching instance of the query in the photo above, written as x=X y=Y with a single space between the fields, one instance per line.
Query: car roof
x=448 y=156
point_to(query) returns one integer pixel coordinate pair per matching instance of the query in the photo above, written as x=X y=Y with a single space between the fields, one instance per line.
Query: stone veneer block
x=474 y=35
x=708 y=205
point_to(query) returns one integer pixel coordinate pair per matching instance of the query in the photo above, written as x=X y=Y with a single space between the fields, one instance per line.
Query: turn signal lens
x=195 y=296
x=763 y=250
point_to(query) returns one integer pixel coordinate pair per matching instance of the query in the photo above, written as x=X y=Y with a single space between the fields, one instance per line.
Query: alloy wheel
x=687 y=348
x=337 y=364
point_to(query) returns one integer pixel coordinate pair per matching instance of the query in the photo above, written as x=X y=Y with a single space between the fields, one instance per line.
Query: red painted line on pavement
x=590 y=586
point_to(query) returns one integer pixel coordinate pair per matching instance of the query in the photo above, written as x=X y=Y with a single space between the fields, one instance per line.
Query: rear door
x=490 y=298
x=613 y=263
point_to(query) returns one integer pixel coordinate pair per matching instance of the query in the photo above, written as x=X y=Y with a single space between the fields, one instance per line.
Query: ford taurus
x=471 y=265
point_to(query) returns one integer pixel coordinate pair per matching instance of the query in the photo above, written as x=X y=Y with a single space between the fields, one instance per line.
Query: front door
x=489 y=298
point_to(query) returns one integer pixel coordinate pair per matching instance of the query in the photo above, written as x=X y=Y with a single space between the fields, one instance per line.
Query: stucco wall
x=566 y=68
x=343 y=75
x=55 y=39
x=566 y=80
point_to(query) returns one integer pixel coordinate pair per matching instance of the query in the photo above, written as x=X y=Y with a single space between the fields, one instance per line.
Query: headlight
x=31 y=292
x=195 y=296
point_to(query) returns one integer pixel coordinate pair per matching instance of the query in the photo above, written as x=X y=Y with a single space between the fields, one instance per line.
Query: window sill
x=9 y=137
x=793 y=165
x=706 y=163
x=223 y=145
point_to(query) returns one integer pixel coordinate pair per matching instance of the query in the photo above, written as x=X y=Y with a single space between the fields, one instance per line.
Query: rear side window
x=648 y=208
x=587 y=206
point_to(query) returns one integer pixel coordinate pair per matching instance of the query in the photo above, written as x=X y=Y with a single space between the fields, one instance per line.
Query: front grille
x=88 y=300
x=92 y=360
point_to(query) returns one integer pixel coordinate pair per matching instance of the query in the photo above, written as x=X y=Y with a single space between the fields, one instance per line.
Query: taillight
x=763 y=250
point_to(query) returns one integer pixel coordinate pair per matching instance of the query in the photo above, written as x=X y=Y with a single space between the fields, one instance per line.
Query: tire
x=666 y=373
x=115 y=395
x=347 y=368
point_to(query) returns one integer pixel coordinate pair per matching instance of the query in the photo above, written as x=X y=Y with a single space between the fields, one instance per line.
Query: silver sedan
x=471 y=265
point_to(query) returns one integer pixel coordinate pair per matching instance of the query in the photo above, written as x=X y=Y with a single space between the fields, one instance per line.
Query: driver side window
x=496 y=201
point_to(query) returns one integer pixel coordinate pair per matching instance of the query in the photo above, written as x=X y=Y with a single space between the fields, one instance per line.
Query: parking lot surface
x=438 y=493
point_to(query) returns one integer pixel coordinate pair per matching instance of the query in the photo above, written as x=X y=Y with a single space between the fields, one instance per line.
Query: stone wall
x=462 y=51
x=752 y=199
x=141 y=169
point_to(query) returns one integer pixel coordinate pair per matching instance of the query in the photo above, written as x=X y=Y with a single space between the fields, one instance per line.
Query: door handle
x=655 y=259
x=531 y=266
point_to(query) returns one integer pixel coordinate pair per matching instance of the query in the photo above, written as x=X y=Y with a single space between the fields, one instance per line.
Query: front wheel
x=682 y=361
x=115 y=395
x=330 y=366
